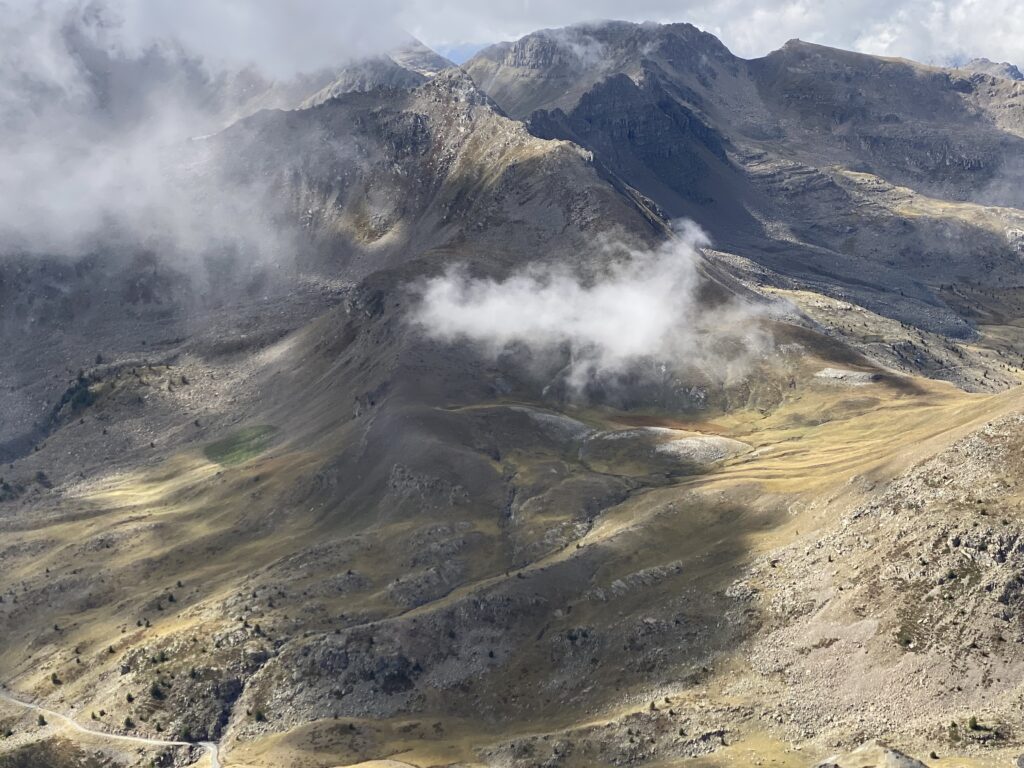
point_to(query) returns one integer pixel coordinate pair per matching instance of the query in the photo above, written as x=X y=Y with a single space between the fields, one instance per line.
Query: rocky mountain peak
x=1003 y=69
x=417 y=57
x=601 y=45
x=552 y=68
x=457 y=86
x=404 y=68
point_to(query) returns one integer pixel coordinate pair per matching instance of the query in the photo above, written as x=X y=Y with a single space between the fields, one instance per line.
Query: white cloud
x=641 y=306
x=91 y=144
x=281 y=37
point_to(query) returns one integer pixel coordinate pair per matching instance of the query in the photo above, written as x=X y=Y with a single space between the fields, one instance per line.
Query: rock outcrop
x=871 y=755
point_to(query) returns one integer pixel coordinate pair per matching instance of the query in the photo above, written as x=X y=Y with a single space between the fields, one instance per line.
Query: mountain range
x=607 y=400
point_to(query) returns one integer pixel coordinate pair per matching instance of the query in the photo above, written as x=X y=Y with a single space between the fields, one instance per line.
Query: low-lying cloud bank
x=102 y=103
x=643 y=310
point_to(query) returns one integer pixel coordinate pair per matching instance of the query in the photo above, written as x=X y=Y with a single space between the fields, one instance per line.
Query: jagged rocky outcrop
x=404 y=68
x=872 y=755
x=412 y=171
x=999 y=69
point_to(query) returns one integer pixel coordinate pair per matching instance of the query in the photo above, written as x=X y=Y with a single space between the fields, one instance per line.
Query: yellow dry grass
x=805 y=453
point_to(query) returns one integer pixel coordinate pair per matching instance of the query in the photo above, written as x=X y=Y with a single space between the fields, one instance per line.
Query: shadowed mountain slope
x=871 y=180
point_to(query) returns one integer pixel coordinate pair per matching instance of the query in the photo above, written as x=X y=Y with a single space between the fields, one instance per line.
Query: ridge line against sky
x=939 y=32
x=304 y=34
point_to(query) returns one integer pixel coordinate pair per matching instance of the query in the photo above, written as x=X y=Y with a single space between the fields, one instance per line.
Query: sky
x=302 y=33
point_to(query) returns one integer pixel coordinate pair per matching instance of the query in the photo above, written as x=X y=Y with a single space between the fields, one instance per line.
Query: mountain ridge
x=251 y=497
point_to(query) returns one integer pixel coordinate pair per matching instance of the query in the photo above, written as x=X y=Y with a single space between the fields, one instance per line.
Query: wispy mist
x=104 y=106
x=643 y=307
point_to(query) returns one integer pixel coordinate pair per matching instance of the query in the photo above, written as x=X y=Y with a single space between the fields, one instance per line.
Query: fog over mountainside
x=644 y=306
x=104 y=132
x=611 y=399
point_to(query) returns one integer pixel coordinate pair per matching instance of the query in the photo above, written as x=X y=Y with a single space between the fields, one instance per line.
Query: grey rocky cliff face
x=404 y=68
x=999 y=69
x=755 y=149
x=873 y=755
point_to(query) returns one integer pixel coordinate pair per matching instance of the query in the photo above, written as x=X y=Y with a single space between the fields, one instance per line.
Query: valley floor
x=750 y=536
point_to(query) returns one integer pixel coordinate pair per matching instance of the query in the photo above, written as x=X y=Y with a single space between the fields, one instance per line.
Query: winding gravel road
x=209 y=746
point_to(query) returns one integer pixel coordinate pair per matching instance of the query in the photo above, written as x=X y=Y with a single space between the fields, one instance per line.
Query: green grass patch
x=242 y=445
